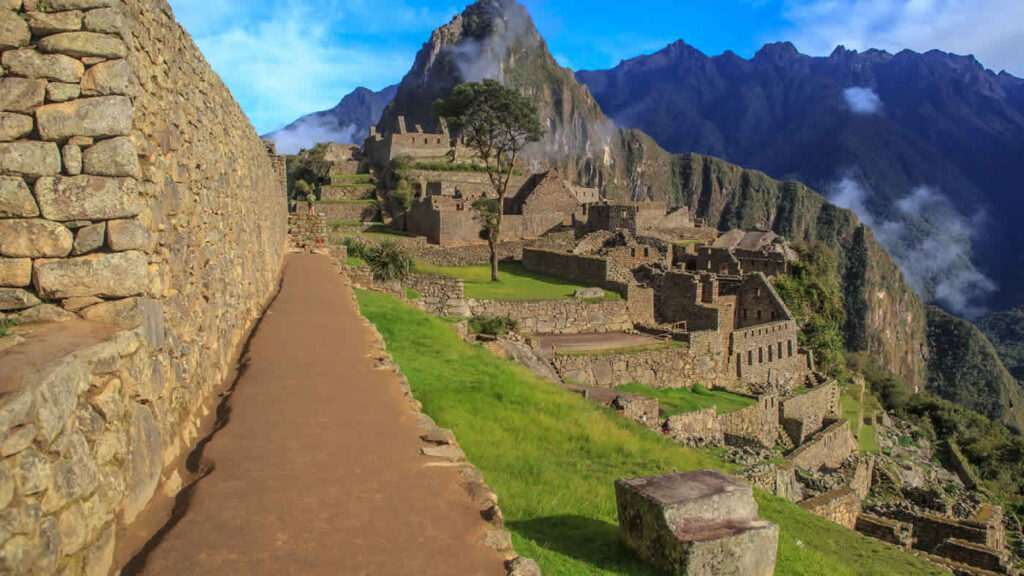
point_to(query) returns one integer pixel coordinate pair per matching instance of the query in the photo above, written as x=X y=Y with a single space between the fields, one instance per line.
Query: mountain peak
x=777 y=52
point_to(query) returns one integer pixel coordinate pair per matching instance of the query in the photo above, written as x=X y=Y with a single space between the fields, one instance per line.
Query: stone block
x=10 y=4
x=15 y=199
x=117 y=275
x=29 y=159
x=106 y=21
x=144 y=463
x=100 y=117
x=90 y=238
x=61 y=92
x=6 y=484
x=113 y=157
x=76 y=304
x=109 y=78
x=21 y=94
x=14 y=31
x=19 y=440
x=75 y=474
x=14 y=126
x=31 y=472
x=56 y=387
x=44 y=314
x=71 y=524
x=125 y=235
x=32 y=64
x=84 y=44
x=698 y=523
x=87 y=198
x=46 y=23
x=72 y=157
x=58 y=5
x=99 y=558
x=34 y=238
x=15 y=272
x=16 y=299
x=18 y=555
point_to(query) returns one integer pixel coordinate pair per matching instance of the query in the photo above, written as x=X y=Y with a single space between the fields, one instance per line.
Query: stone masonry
x=700 y=523
x=135 y=194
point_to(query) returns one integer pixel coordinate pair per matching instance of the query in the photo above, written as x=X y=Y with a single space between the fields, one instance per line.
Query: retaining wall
x=697 y=428
x=841 y=506
x=142 y=198
x=668 y=368
x=827 y=448
x=756 y=425
x=559 y=316
x=803 y=414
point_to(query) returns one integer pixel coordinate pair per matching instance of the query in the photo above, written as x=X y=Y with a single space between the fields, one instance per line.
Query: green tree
x=812 y=294
x=496 y=122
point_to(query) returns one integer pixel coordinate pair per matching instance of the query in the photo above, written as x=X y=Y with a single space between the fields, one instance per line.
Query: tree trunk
x=494 y=260
x=493 y=237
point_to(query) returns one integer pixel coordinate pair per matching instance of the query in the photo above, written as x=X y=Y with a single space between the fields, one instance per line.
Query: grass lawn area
x=681 y=400
x=355 y=261
x=516 y=283
x=851 y=411
x=553 y=457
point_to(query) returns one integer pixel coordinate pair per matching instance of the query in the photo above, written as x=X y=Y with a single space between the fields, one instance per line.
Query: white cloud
x=930 y=241
x=862 y=100
x=283 y=59
x=992 y=30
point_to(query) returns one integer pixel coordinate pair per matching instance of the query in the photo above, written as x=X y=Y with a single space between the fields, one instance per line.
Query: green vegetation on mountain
x=967 y=370
x=994 y=451
x=811 y=292
x=553 y=458
x=1006 y=332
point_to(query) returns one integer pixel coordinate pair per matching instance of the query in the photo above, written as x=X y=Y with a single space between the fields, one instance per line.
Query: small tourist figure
x=665 y=428
x=617 y=404
x=643 y=418
x=310 y=198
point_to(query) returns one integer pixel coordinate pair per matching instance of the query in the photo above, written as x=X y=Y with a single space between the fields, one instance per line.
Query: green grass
x=412 y=294
x=515 y=282
x=344 y=224
x=853 y=410
x=681 y=400
x=355 y=261
x=5 y=325
x=553 y=458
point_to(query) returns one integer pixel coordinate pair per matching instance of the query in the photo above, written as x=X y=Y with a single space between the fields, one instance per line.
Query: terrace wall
x=669 y=368
x=559 y=316
x=827 y=448
x=756 y=425
x=147 y=203
x=803 y=414
x=841 y=506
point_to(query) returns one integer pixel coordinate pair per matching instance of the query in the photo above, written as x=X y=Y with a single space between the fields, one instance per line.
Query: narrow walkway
x=318 y=470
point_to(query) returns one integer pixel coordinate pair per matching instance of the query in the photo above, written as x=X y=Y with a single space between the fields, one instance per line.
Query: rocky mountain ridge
x=346 y=123
x=926 y=146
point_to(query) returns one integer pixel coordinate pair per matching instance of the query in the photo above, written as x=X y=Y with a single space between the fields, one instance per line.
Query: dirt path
x=318 y=469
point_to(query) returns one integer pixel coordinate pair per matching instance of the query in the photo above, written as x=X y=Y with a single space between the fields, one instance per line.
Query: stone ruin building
x=738 y=252
x=400 y=142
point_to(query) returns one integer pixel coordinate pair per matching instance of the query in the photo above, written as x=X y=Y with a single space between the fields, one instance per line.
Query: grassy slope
x=516 y=283
x=553 y=459
x=680 y=400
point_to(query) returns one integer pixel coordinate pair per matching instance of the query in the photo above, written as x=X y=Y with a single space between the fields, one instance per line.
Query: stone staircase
x=699 y=523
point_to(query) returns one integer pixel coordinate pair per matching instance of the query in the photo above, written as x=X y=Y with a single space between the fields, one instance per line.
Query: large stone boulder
x=700 y=523
x=103 y=275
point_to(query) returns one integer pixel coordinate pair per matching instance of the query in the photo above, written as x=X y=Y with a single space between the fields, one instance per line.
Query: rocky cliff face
x=908 y=128
x=497 y=39
x=347 y=123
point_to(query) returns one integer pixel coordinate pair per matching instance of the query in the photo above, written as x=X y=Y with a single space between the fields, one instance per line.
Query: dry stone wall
x=668 y=368
x=756 y=425
x=133 y=192
x=827 y=448
x=559 y=316
x=803 y=414
x=697 y=428
x=438 y=295
x=841 y=506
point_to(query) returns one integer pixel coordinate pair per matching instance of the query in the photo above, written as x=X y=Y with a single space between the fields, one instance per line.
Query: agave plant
x=389 y=261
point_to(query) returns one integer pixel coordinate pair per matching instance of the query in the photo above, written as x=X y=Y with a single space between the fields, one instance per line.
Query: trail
x=318 y=468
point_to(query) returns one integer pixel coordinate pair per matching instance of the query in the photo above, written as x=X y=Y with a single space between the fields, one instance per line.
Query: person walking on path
x=310 y=198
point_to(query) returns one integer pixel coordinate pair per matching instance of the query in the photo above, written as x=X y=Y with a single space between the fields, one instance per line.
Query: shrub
x=4 y=325
x=493 y=325
x=356 y=248
x=389 y=261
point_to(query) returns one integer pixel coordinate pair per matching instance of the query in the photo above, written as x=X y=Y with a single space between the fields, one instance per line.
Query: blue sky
x=285 y=58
